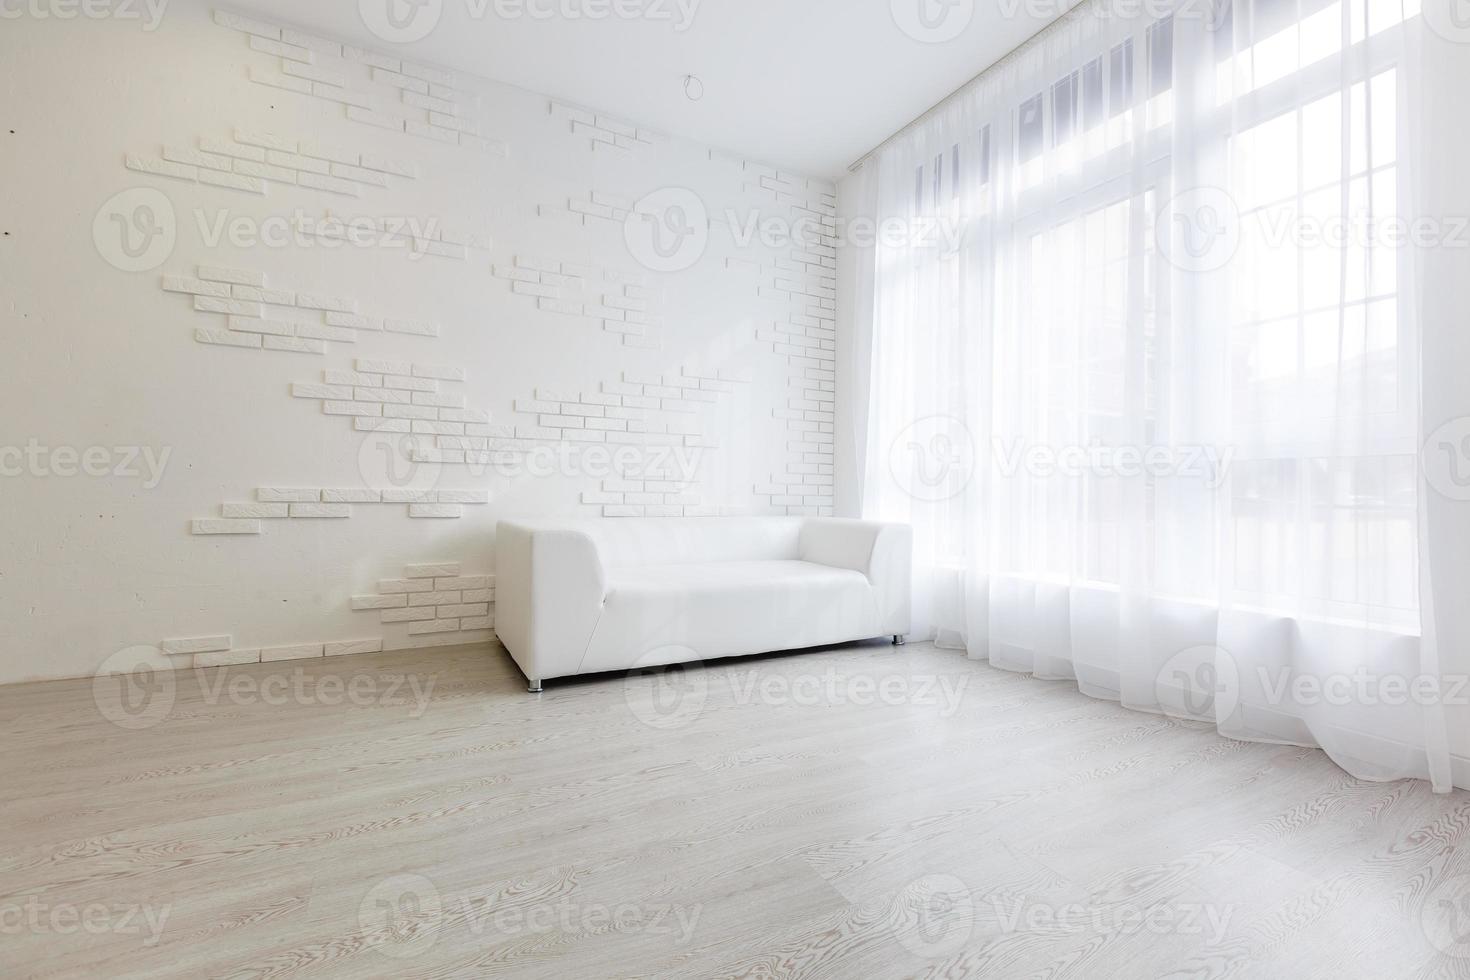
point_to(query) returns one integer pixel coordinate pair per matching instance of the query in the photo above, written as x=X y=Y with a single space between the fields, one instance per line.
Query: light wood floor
x=790 y=827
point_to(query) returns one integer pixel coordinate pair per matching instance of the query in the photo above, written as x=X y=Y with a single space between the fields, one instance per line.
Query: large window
x=1299 y=343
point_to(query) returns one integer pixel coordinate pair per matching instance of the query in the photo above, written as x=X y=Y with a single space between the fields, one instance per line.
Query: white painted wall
x=101 y=357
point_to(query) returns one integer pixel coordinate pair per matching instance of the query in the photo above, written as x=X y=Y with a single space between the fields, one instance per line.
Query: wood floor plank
x=774 y=816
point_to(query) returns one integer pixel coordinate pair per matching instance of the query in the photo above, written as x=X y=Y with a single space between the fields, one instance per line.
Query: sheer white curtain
x=1147 y=328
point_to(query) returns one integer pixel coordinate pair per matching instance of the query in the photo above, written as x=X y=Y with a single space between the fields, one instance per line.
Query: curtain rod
x=1033 y=38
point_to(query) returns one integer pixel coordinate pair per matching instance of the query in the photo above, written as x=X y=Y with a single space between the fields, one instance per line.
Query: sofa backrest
x=680 y=540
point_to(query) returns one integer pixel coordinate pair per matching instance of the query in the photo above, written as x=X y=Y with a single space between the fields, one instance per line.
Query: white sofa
x=581 y=596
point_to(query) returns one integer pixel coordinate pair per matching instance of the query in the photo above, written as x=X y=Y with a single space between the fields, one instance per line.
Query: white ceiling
x=809 y=85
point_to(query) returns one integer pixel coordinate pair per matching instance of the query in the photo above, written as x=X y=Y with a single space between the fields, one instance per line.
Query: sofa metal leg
x=898 y=639
x=533 y=685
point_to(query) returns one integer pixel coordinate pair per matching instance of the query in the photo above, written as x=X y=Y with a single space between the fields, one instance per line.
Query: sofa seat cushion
x=696 y=611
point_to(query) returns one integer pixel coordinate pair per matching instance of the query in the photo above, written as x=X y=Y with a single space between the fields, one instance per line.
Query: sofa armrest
x=549 y=590
x=882 y=552
x=863 y=546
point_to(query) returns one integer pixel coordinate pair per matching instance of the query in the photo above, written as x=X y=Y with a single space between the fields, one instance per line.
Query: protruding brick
x=286 y=494
x=321 y=510
x=255 y=510
x=465 y=582
x=197 y=644
x=354 y=496
x=408 y=615
x=434 y=626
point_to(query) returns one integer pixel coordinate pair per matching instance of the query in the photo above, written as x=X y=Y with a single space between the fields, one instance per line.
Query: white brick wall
x=567 y=342
x=374 y=88
x=603 y=132
x=258 y=318
x=658 y=419
x=252 y=161
x=804 y=340
x=328 y=502
x=364 y=394
x=433 y=599
x=620 y=303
